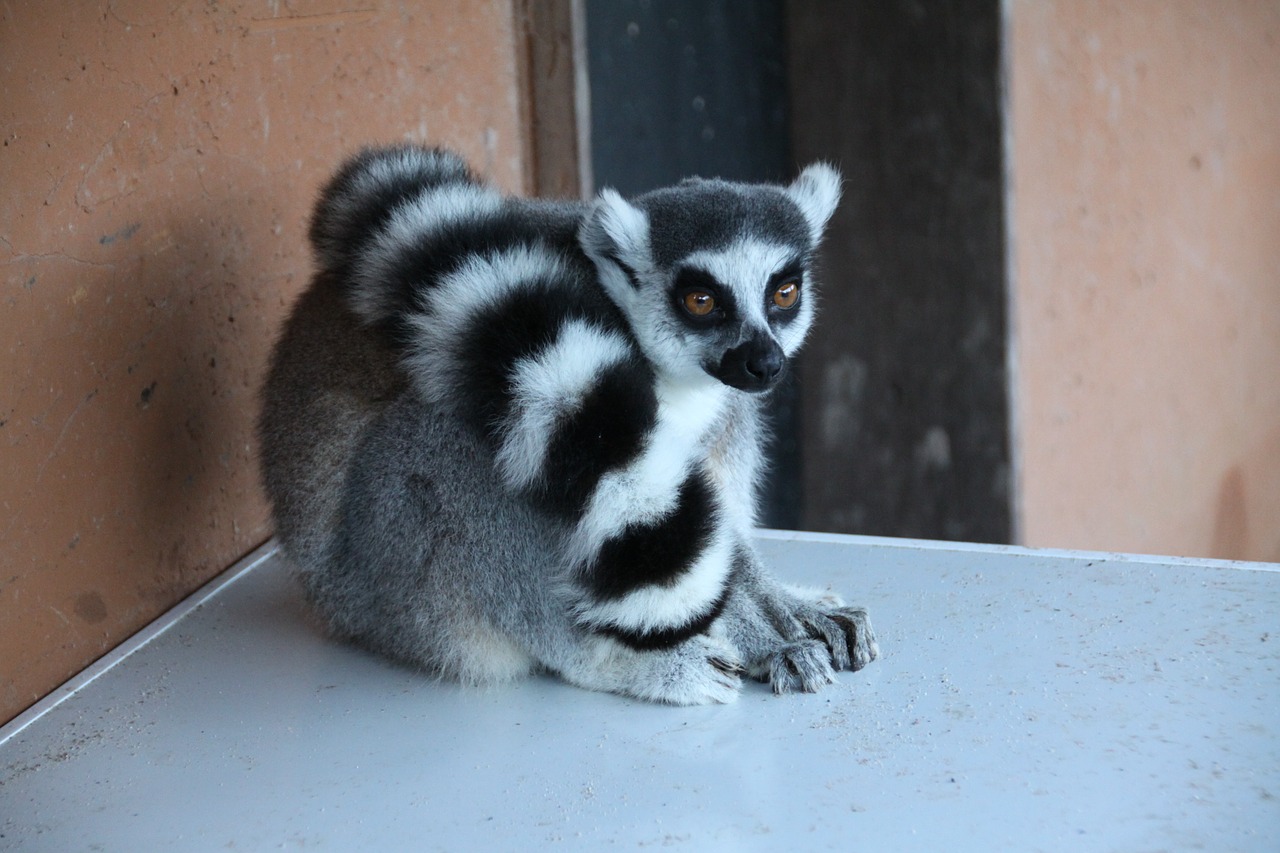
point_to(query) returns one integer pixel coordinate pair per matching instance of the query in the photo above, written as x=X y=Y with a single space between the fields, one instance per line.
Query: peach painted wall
x=1145 y=235
x=158 y=164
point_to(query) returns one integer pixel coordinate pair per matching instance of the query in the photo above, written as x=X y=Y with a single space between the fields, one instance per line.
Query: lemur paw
x=700 y=671
x=800 y=667
x=847 y=634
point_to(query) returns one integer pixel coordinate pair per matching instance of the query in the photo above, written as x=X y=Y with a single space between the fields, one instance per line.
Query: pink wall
x=1145 y=235
x=159 y=161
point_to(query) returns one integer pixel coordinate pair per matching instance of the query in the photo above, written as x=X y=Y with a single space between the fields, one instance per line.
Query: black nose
x=765 y=366
x=753 y=366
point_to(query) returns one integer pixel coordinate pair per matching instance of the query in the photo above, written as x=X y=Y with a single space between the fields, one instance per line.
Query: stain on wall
x=1146 y=207
x=159 y=160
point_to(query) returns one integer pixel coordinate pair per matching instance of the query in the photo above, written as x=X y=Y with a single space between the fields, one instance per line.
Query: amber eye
x=786 y=295
x=699 y=303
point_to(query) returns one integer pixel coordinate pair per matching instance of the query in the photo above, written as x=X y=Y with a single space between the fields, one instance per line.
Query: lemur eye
x=786 y=295
x=699 y=303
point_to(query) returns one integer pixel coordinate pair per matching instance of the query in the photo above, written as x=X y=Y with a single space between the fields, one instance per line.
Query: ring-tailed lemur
x=501 y=435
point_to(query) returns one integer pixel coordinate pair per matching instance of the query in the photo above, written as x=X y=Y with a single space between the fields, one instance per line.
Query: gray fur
x=411 y=537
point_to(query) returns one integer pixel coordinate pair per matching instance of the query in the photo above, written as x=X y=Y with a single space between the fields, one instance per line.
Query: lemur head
x=713 y=276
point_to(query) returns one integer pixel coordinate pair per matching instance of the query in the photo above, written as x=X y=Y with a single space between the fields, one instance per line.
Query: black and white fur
x=496 y=440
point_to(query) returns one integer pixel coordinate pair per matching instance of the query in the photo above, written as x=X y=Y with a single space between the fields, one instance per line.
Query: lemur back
x=554 y=460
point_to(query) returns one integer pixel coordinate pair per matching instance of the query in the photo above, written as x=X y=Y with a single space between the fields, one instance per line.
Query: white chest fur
x=646 y=489
x=686 y=410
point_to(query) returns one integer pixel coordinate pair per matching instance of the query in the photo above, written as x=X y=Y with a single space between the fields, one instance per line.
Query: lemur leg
x=794 y=638
x=790 y=664
x=791 y=637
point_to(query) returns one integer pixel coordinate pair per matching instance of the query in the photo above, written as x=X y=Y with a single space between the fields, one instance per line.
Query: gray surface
x=1023 y=701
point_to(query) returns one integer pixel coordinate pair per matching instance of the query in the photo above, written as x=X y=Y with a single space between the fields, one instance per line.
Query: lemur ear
x=616 y=230
x=816 y=192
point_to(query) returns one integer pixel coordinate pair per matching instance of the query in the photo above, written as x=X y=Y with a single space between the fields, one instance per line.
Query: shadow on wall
x=136 y=351
x=195 y=374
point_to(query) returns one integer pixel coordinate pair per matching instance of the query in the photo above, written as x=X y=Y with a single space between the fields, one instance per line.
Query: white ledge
x=1025 y=699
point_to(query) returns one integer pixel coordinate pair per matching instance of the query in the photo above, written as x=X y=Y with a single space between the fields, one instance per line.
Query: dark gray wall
x=905 y=409
x=697 y=87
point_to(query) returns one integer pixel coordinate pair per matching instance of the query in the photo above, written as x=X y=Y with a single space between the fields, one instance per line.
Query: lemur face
x=714 y=276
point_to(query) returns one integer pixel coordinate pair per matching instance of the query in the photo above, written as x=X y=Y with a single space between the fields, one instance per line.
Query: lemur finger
x=833 y=635
x=862 y=643
x=801 y=667
x=730 y=668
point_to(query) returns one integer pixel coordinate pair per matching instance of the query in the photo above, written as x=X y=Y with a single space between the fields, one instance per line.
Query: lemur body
x=502 y=435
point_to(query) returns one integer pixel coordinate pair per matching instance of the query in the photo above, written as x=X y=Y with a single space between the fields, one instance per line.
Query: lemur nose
x=752 y=366
x=765 y=366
